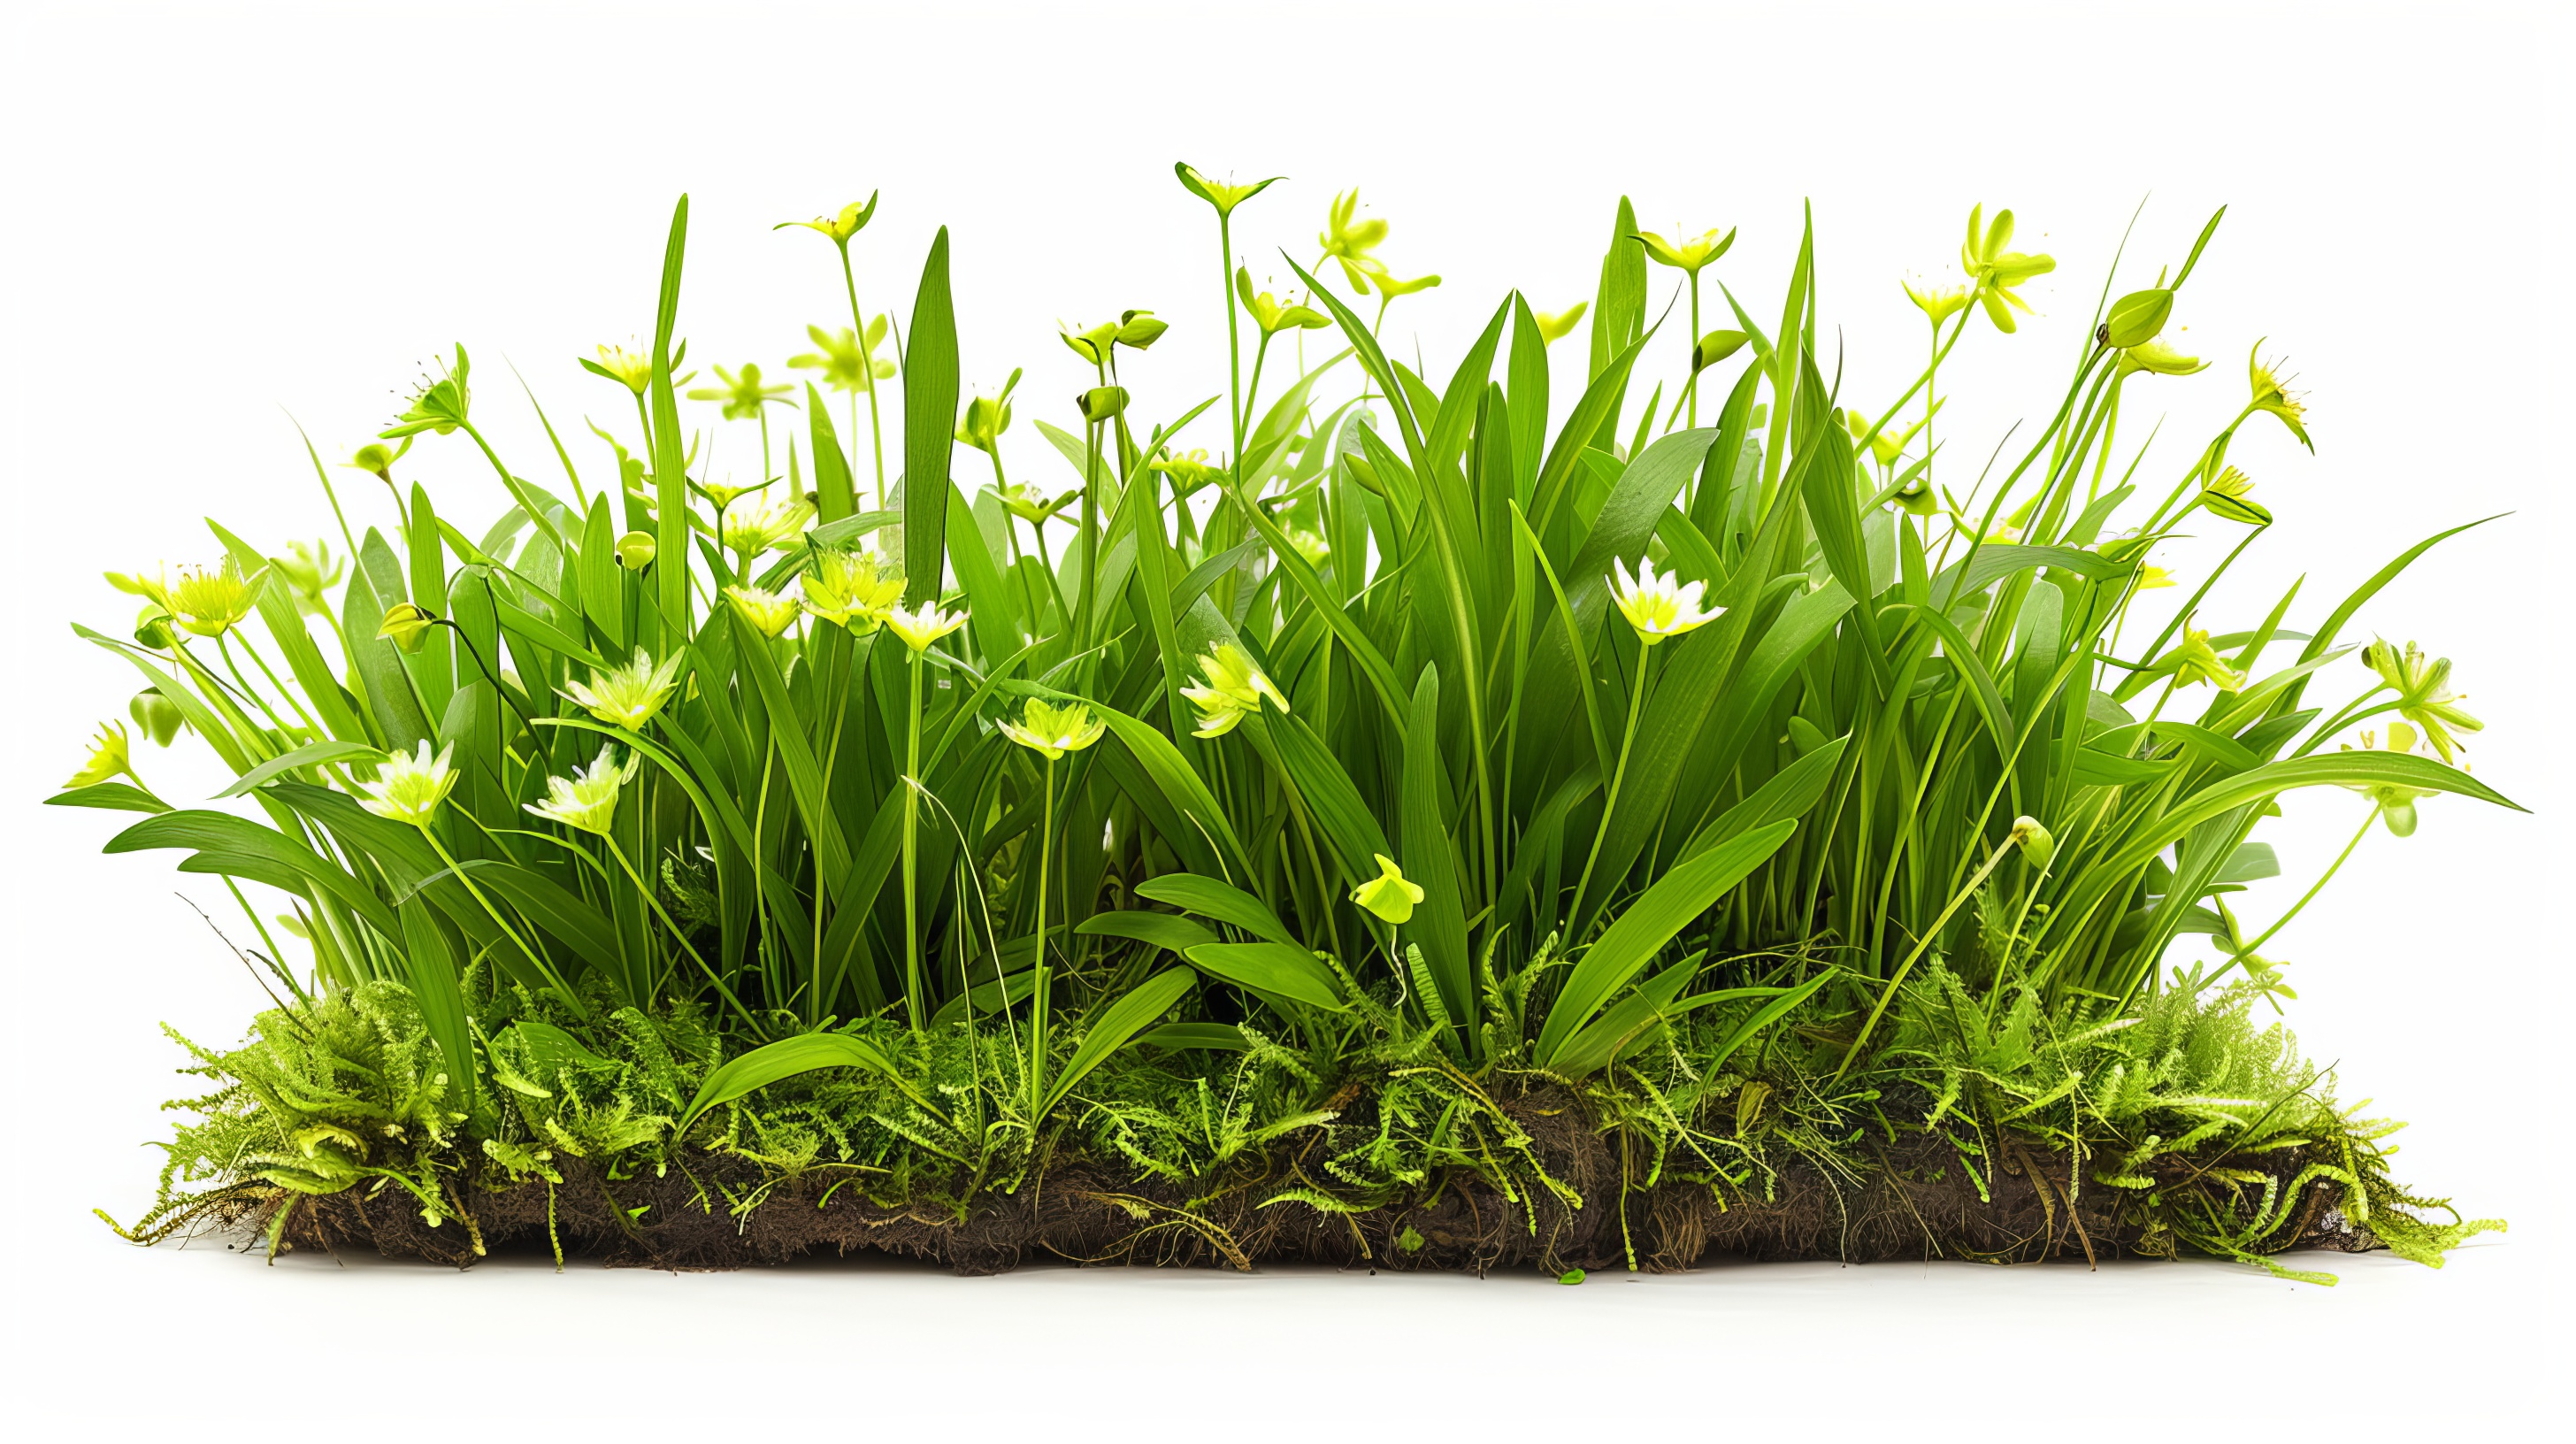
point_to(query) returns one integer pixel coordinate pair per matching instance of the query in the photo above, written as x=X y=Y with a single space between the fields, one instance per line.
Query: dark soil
x=1915 y=1203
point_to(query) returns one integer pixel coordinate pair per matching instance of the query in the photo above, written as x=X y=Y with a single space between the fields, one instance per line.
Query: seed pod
x=636 y=549
x=1714 y=347
x=2037 y=846
x=1100 y=403
x=1140 y=329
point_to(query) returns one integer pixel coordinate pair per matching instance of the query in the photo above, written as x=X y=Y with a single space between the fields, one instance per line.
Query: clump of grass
x=1270 y=821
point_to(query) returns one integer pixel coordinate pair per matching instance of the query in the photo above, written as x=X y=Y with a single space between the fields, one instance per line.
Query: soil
x=1916 y=1203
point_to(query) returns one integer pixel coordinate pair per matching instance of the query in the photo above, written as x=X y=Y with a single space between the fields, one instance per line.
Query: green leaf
x=115 y=796
x=312 y=754
x=1117 y=1025
x=1163 y=930
x=789 y=1058
x=1275 y=968
x=1681 y=895
x=1212 y=899
x=929 y=426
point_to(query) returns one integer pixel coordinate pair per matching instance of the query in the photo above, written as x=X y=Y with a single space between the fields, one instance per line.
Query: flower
x=742 y=394
x=2423 y=693
x=853 y=588
x=407 y=625
x=846 y=363
x=843 y=224
x=210 y=604
x=1138 y=330
x=1658 y=606
x=2194 y=660
x=1092 y=345
x=438 y=405
x=2036 y=843
x=1388 y=287
x=1189 y=470
x=767 y=527
x=307 y=570
x=1938 y=302
x=2271 y=393
x=1030 y=505
x=627 y=696
x=771 y=612
x=2160 y=359
x=1052 y=730
x=1349 y=240
x=1388 y=894
x=2395 y=800
x=2228 y=497
x=413 y=785
x=1997 y=271
x=630 y=369
x=987 y=418
x=109 y=757
x=1555 y=326
x=1271 y=314
x=1692 y=255
x=587 y=800
x=1234 y=690
x=636 y=549
x=377 y=458
x=1716 y=346
x=2153 y=578
x=922 y=626
x=1223 y=196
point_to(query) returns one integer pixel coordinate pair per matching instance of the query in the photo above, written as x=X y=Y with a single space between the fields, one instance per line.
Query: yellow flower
x=1271 y=314
x=1052 y=730
x=1938 y=302
x=210 y=604
x=308 y=570
x=752 y=530
x=627 y=696
x=1093 y=345
x=1218 y=193
x=922 y=626
x=847 y=364
x=742 y=394
x=1388 y=287
x=771 y=612
x=1349 y=240
x=2194 y=661
x=2160 y=359
x=1234 y=690
x=1188 y=470
x=587 y=800
x=630 y=369
x=2153 y=578
x=108 y=757
x=1555 y=326
x=2423 y=693
x=1030 y=505
x=1388 y=894
x=1692 y=255
x=2271 y=393
x=843 y=224
x=413 y=785
x=2230 y=496
x=1996 y=271
x=986 y=418
x=378 y=459
x=852 y=588
x=2396 y=801
x=407 y=625
x=1658 y=606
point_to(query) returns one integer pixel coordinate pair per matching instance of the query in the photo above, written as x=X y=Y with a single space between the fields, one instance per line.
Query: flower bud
x=152 y=627
x=2137 y=318
x=158 y=716
x=2036 y=845
x=407 y=625
x=636 y=549
x=1140 y=329
x=1100 y=403
x=1714 y=347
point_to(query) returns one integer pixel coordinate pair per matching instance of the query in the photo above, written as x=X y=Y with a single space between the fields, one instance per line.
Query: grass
x=1298 y=827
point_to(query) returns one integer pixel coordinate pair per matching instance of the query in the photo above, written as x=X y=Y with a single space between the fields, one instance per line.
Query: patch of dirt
x=1914 y=1202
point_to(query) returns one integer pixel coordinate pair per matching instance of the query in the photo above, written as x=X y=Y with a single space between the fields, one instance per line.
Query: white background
x=217 y=216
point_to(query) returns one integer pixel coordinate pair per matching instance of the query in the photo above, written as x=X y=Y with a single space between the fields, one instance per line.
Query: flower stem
x=1618 y=773
x=911 y=851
